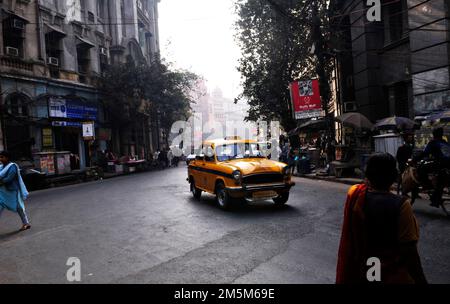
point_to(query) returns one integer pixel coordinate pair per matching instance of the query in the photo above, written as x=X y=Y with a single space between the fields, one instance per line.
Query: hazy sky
x=198 y=35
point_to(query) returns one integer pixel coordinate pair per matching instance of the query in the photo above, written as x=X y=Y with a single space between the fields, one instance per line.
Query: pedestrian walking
x=291 y=161
x=13 y=192
x=170 y=158
x=379 y=224
x=404 y=153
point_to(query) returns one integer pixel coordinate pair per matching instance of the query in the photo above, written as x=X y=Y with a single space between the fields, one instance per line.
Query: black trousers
x=442 y=177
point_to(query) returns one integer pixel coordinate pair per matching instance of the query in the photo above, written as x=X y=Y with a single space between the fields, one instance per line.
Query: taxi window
x=238 y=151
x=209 y=154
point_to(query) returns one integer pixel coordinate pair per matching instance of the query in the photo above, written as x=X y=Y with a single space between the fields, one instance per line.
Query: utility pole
x=317 y=37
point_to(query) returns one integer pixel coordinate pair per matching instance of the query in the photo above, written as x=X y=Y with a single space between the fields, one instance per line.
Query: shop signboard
x=66 y=124
x=72 y=108
x=306 y=101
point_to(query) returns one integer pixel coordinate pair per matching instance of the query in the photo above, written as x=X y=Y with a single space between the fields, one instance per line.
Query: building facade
x=52 y=55
x=397 y=66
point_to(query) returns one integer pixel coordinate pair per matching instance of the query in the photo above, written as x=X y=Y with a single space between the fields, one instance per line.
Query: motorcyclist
x=439 y=150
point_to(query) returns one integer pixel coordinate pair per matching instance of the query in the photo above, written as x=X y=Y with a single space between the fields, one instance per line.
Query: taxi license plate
x=265 y=194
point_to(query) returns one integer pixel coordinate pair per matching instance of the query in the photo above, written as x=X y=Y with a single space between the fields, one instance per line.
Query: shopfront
x=67 y=115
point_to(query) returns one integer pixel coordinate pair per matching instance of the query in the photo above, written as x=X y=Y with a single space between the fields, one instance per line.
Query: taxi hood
x=254 y=165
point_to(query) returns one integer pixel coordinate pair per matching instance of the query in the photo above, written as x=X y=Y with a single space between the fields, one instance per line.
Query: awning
x=51 y=29
x=312 y=125
x=15 y=15
x=85 y=43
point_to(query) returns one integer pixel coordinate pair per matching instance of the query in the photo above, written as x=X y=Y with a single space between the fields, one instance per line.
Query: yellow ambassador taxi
x=236 y=169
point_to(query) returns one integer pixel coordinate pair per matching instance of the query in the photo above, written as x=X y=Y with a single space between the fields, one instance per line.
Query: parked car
x=236 y=169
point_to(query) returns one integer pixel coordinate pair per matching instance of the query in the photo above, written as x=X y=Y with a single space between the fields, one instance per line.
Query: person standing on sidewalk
x=169 y=158
x=381 y=225
x=13 y=192
x=404 y=154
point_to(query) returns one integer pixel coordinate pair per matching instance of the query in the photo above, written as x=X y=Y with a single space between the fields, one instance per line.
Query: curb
x=344 y=181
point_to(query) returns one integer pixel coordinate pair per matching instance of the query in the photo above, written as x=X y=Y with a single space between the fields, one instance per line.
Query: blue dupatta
x=11 y=199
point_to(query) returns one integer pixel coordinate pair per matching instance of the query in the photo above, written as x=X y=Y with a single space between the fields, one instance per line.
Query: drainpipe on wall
x=39 y=29
x=2 y=138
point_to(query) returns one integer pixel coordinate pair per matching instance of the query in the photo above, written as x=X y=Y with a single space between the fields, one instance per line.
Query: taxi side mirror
x=199 y=157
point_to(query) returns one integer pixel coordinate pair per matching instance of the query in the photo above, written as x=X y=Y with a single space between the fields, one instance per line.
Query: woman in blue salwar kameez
x=13 y=192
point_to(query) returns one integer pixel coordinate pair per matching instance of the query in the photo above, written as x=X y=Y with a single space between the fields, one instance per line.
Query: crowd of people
x=299 y=159
x=160 y=159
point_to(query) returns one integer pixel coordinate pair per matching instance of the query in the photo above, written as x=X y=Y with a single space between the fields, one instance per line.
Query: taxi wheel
x=281 y=199
x=197 y=193
x=223 y=199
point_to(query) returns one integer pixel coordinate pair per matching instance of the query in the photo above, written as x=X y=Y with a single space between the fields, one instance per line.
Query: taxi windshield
x=238 y=151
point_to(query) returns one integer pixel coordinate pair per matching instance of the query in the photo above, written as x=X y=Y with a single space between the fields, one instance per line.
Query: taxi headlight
x=237 y=176
x=286 y=172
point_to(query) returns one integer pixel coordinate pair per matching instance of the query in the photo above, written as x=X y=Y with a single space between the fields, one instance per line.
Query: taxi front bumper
x=248 y=190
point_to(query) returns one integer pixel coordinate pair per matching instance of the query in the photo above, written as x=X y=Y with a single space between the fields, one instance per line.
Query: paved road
x=146 y=228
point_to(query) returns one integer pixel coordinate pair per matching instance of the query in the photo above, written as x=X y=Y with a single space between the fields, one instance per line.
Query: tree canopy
x=281 y=41
x=139 y=88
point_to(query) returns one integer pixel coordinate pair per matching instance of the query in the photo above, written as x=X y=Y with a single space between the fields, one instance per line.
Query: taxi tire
x=223 y=199
x=196 y=193
x=282 y=199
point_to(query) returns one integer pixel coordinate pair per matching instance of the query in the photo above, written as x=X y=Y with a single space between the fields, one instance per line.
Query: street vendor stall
x=388 y=143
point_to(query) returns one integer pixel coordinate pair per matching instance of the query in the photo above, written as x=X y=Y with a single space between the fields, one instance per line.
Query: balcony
x=16 y=63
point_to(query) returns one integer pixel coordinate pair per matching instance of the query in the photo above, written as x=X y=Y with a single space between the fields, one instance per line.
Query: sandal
x=25 y=227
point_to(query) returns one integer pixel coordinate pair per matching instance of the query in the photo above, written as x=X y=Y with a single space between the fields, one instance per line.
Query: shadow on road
x=9 y=235
x=432 y=214
x=245 y=208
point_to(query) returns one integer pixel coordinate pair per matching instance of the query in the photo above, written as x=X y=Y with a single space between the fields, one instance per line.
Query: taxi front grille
x=263 y=178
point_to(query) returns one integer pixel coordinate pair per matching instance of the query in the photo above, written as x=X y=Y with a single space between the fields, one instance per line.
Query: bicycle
x=412 y=183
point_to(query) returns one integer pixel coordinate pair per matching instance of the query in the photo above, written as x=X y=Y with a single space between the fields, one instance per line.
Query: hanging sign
x=89 y=130
x=306 y=100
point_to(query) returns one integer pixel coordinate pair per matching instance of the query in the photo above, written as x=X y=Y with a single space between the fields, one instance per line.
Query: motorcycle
x=423 y=177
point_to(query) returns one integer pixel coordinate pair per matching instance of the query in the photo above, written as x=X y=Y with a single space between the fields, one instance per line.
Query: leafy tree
x=276 y=39
x=138 y=89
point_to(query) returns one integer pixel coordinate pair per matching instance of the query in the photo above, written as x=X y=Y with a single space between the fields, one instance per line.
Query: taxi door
x=210 y=161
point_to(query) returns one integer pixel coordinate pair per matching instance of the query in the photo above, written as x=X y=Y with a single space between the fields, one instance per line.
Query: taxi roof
x=221 y=142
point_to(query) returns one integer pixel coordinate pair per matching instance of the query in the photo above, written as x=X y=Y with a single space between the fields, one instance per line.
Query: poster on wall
x=47 y=164
x=306 y=101
x=47 y=137
x=88 y=130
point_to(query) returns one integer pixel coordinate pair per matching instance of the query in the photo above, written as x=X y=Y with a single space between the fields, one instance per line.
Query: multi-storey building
x=396 y=66
x=52 y=53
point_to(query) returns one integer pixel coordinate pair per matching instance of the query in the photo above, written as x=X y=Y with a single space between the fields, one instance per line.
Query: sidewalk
x=78 y=178
x=334 y=179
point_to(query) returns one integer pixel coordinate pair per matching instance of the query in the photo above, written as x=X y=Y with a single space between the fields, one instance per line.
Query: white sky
x=198 y=35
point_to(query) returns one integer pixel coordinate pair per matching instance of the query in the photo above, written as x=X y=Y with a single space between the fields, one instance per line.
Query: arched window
x=17 y=105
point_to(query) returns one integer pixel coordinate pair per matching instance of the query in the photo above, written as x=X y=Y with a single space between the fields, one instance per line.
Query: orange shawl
x=350 y=257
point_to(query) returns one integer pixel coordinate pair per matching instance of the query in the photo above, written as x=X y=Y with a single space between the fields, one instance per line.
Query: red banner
x=306 y=99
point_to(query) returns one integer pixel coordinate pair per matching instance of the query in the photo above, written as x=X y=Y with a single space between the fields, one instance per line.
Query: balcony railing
x=16 y=63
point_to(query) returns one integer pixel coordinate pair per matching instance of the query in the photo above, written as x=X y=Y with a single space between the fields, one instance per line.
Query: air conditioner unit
x=12 y=51
x=18 y=24
x=53 y=61
x=103 y=51
x=349 y=106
